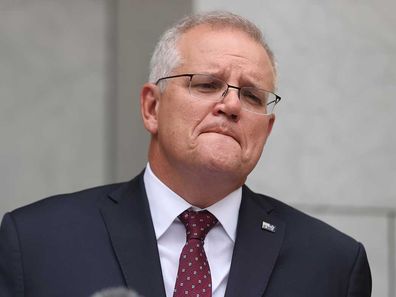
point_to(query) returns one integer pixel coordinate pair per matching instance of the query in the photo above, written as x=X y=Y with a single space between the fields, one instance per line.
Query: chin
x=221 y=158
x=223 y=164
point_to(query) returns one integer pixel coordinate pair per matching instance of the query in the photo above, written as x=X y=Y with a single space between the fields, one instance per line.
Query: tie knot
x=197 y=223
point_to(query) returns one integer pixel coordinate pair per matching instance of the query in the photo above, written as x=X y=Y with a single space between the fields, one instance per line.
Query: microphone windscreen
x=116 y=292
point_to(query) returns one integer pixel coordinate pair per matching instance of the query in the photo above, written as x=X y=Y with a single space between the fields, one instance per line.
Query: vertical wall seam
x=110 y=112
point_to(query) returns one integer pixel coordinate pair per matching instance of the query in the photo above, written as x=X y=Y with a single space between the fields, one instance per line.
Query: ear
x=271 y=122
x=149 y=105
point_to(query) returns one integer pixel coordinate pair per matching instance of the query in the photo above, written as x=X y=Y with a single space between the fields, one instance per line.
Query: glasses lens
x=257 y=100
x=207 y=87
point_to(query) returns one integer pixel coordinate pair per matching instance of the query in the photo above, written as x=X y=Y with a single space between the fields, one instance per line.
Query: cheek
x=190 y=115
x=255 y=139
x=176 y=124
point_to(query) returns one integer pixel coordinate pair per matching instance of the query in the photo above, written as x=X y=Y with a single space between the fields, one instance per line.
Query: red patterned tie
x=193 y=277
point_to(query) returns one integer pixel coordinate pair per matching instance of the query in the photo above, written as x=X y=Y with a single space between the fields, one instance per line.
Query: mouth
x=223 y=131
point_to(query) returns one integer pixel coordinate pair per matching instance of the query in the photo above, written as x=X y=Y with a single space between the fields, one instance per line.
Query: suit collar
x=165 y=210
x=256 y=250
x=127 y=218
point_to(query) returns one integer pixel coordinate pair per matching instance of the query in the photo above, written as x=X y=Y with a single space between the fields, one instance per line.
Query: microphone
x=116 y=292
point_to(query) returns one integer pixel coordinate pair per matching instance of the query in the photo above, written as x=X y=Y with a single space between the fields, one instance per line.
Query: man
x=208 y=108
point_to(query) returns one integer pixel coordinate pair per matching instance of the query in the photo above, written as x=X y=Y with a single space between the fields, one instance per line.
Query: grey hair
x=166 y=56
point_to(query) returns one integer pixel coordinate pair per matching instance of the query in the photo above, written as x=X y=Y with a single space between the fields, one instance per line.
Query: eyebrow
x=247 y=81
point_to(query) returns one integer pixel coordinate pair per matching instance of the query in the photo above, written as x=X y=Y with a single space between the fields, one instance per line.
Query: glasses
x=208 y=87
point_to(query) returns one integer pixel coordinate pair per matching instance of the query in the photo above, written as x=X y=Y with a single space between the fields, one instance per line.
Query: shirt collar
x=166 y=205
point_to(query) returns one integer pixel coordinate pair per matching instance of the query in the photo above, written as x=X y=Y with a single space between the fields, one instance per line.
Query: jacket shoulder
x=302 y=227
x=65 y=204
x=333 y=259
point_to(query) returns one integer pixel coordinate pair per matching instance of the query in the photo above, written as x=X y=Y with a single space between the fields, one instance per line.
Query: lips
x=223 y=129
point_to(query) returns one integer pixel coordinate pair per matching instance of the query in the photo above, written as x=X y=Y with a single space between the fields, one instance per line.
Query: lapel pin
x=269 y=227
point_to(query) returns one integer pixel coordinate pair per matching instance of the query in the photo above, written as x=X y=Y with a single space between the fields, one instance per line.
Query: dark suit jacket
x=73 y=245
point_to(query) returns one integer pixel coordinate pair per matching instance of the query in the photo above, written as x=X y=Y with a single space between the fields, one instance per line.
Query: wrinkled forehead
x=216 y=49
x=251 y=31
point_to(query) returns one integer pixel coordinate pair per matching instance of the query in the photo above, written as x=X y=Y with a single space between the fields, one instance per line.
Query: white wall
x=53 y=85
x=332 y=150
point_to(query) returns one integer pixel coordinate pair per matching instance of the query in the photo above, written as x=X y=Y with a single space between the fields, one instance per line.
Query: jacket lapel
x=127 y=218
x=256 y=249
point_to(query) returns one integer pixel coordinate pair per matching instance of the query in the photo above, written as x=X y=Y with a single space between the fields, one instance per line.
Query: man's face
x=201 y=136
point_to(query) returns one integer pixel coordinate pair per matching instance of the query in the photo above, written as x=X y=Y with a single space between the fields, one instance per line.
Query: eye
x=254 y=97
x=205 y=84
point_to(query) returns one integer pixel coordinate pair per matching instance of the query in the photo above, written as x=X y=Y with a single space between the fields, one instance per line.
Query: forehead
x=225 y=51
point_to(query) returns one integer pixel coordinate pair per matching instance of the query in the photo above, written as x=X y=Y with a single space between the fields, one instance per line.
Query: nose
x=230 y=105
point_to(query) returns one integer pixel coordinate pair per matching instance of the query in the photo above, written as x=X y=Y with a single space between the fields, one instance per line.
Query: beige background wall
x=70 y=73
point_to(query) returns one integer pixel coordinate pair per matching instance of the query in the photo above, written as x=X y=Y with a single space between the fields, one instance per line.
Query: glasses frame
x=276 y=101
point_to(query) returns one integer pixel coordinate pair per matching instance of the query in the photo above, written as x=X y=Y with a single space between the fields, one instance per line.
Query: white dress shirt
x=165 y=206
